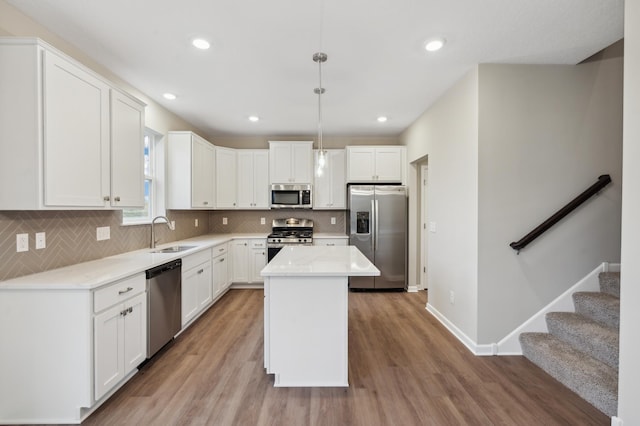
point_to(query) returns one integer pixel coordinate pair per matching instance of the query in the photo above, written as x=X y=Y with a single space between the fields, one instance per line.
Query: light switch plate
x=262 y=221
x=22 y=242
x=333 y=220
x=41 y=240
x=224 y=221
x=195 y=223
x=103 y=233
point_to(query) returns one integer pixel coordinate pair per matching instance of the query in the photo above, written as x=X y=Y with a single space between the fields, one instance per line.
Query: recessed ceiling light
x=201 y=43
x=254 y=118
x=382 y=119
x=434 y=44
x=169 y=96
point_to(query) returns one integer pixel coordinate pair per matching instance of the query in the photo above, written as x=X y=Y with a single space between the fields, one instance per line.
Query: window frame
x=155 y=178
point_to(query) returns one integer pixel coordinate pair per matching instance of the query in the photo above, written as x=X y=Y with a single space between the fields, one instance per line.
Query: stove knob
x=279 y=240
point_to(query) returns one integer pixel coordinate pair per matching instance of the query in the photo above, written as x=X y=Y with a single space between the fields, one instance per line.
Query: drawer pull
x=125 y=291
x=221 y=260
x=221 y=249
x=200 y=271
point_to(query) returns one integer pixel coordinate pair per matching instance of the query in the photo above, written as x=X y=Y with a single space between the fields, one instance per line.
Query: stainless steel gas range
x=287 y=232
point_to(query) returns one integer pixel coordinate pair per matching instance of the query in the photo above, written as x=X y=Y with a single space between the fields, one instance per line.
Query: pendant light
x=319 y=58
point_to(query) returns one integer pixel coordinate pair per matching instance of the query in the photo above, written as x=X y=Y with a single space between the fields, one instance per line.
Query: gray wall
x=448 y=134
x=546 y=133
x=507 y=146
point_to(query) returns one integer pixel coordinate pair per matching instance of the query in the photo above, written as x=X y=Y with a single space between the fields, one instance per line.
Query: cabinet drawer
x=195 y=259
x=258 y=243
x=118 y=292
x=218 y=250
x=330 y=241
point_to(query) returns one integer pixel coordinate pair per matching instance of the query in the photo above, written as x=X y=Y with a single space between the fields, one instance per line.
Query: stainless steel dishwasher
x=164 y=301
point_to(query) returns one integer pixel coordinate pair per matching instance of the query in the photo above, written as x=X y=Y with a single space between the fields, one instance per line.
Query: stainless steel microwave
x=288 y=196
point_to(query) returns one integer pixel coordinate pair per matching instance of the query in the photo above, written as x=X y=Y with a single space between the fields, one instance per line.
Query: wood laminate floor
x=404 y=369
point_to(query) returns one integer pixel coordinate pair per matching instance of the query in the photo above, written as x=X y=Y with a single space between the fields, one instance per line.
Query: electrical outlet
x=103 y=233
x=173 y=225
x=41 y=240
x=333 y=220
x=452 y=297
x=195 y=223
x=22 y=242
x=262 y=221
x=224 y=221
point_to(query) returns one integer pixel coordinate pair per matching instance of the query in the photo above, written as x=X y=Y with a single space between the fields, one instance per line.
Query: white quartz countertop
x=320 y=261
x=96 y=273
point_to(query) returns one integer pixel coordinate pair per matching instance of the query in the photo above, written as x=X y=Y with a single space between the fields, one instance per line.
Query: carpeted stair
x=581 y=348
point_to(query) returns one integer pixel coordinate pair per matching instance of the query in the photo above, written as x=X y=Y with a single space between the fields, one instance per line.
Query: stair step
x=586 y=335
x=594 y=381
x=600 y=307
x=610 y=283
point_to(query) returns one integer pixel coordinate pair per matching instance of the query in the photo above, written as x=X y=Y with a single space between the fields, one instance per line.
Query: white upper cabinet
x=127 y=153
x=253 y=178
x=291 y=162
x=62 y=137
x=226 y=175
x=190 y=172
x=380 y=164
x=329 y=189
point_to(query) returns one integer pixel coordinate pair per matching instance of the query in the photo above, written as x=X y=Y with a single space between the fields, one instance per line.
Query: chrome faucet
x=153 y=231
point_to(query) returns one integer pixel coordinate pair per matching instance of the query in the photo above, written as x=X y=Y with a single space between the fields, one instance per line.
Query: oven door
x=272 y=250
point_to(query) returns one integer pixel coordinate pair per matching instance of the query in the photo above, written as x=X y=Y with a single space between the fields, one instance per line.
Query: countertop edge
x=114 y=268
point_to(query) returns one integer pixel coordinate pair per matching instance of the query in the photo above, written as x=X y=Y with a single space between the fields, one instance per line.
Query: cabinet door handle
x=221 y=260
x=125 y=291
x=106 y=198
x=221 y=249
x=200 y=271
x=117 y=198
x=330 y=244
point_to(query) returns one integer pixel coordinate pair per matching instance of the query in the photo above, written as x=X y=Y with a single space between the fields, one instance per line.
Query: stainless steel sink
x=173 y=249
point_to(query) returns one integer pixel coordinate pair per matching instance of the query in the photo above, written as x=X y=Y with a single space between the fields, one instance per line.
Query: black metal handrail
x=603 y=181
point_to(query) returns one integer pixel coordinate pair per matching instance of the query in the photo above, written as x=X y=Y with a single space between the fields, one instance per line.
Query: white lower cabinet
x=120 y=332
x=249 y=257
x=258 y=261
x=197 y=288
x=220 y=265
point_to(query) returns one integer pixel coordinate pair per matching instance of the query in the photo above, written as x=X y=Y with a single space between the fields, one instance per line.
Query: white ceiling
x=261 y=62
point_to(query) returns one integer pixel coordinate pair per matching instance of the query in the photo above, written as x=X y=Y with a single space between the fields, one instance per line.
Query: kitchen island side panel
x=307 y=336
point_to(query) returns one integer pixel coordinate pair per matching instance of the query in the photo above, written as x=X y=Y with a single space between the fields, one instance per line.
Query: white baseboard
x=510 y=345
x=480 y=350
x=412 y=289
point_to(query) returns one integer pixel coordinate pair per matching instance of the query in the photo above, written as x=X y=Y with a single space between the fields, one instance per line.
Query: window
x=153 y=167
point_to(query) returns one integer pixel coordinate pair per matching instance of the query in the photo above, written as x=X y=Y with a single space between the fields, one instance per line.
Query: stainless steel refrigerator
x=378 y=228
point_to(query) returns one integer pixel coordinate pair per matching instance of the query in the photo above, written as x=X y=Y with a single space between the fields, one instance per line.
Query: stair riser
x=610 y=283
x=599 y=392
x=603 y=311
x=601 y=345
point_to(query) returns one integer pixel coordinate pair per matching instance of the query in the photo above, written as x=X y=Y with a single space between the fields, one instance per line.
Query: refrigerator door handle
x=373 y=225
x=375 y=244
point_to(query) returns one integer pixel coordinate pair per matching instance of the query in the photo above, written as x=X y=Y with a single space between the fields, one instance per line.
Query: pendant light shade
x=320 y=58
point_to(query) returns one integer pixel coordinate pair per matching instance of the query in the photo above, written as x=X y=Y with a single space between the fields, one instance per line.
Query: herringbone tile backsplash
x=71 y=235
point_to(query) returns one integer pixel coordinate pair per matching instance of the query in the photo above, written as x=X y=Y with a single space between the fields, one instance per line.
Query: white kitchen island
x=306 y=314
